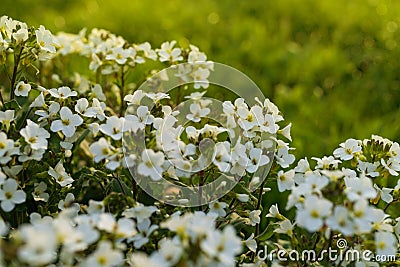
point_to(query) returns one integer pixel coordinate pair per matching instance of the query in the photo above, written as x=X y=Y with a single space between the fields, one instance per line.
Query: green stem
x=122 y=91
x=1 y=97
x=15 y=72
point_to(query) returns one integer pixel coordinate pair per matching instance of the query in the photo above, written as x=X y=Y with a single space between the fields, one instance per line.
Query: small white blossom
x=22 y=89
x=67 y=123
x=151 y=164
x=311 y=215
x=347 y=149
x=63 y=92
x=60 y=175
x=35 y=135
x=10 y=195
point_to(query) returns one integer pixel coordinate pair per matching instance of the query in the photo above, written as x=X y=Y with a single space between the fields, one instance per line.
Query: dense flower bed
x=82 y=155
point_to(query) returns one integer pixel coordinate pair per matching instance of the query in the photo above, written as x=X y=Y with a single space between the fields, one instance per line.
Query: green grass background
x=331 y=66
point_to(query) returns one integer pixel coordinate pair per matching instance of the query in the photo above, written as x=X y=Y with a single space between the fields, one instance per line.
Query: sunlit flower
x=218 y=208
x=105 y=256
x=285 y=180
x=151 y=164
x=63 y=92
x=39 y=194
x=347 y=149
x=385 y=243
x=67 y=123
x=22 y=89
x=60 y=175
x=35 y=135
x=10 y=195
x=311 y=215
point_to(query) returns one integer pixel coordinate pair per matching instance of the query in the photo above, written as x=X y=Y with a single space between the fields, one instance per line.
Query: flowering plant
x=99 y=169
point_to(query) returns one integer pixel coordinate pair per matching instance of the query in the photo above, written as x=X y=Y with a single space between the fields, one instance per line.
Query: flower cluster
x=76 y=148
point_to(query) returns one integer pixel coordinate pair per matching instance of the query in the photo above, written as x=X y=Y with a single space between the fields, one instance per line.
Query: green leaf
x=13 y=104
x=267 y=234
x=120 y=187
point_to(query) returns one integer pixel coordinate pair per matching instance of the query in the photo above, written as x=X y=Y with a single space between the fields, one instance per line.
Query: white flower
x=256 y=160
x=35 y=135
x=254 y=217
x=341 y=221
x=285 y=180
x=357 y=188
x=151 y=164
x=95 y=207
x=221 y=157
x=69 y=202
x=62 y=92
x=120 y=55
x=274 y=212
x=36 y=253
x=147 y=52
x=385 y=243
x=53 y=109
x=326 y=163
x=362 y=216
x=266 y=122
x=97 y=92
x=286 y=132
x=5 y=144
x=38 y=102
x=22 y=89
x=314 y=210
x=145 y=229
x=67 y=123
x=251 y=243
x=140 y=121
x=124 y=228
x=313 y=183
x=104 y=256
x=283 y=158
x=200 y=76
x=61 y=176
x=347 y=149
x=135 y=98
x=21 y=35
x=197 y=112
x=285 y=227
x=141 y=259
x=113 y=127
x=218 y=208
x=368 y=168
x=391 y=165
x=223 y=246
x=171 y=250
x=81 y=107
x=6 y=117
x=140 y=212
x=243 y=197
x=169 y=53
x=39 y=193
x=384 y=193
x=101 y=149
x=247 y=119
x=46 y=40
x=10 y=195
x=302 y=166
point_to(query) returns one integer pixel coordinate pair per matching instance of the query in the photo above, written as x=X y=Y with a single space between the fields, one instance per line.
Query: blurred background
x=331 y=66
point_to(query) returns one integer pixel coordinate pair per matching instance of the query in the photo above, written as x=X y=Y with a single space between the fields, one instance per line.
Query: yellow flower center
x=314 y=214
